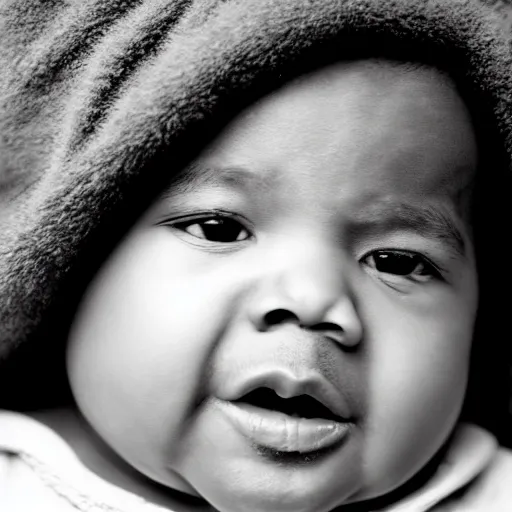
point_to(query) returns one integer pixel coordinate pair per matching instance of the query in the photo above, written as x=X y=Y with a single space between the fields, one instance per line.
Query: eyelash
x=421 y=269
x=219 y=220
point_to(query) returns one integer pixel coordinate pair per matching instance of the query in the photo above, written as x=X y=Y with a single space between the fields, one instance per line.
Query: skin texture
x=314 y=181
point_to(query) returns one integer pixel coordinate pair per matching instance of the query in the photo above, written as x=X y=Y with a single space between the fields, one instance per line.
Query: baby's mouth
x=302 y=406
x=298 y=424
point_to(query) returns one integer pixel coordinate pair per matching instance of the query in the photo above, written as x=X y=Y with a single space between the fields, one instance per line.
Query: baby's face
x=289 y=327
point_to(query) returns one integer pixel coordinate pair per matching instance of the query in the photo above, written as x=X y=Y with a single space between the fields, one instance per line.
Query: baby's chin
x=236 y=477
x=215 y=462
x=240 y=493
x=234 y=474
x=308 y=495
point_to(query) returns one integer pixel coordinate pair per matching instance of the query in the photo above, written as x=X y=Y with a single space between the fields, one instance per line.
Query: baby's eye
x=215 y=229
x=403 y=264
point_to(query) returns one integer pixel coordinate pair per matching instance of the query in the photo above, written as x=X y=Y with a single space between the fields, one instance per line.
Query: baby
x=289 y=325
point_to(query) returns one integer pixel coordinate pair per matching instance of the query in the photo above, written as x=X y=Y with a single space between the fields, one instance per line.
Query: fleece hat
x=102 y=103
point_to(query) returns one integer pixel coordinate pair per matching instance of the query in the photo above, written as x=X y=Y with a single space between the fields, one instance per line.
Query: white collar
x=471 y=450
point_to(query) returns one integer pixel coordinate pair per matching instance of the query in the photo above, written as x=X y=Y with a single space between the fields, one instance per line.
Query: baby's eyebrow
x=238 y=177
x=426 y=221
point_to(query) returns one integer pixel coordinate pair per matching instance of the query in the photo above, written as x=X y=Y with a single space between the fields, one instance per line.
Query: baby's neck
x=105 y=463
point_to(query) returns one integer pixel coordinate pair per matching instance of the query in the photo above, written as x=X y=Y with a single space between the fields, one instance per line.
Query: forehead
x=360 y=131
x=385 y=121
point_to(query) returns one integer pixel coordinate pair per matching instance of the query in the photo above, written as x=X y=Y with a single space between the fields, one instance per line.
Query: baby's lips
x=287 y=384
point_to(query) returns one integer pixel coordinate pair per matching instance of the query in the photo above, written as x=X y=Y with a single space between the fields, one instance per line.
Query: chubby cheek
x=141 y=343
x=417 y=374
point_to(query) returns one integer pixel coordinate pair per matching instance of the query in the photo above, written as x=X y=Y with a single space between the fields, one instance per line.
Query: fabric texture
x=38 y=471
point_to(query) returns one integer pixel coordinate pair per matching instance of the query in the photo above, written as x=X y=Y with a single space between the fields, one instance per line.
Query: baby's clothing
x=39 y=472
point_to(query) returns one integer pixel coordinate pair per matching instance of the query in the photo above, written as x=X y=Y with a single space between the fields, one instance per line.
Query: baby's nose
x=310 y=288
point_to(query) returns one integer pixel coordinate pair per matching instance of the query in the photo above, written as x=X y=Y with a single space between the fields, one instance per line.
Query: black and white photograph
x=253 y=256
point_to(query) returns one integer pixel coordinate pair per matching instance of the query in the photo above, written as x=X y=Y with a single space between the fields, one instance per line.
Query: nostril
x=280 y=316
x=327 y=327
x=336 y=333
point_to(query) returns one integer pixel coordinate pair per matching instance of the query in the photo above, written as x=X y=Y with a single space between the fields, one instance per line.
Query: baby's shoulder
x=491 y=490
